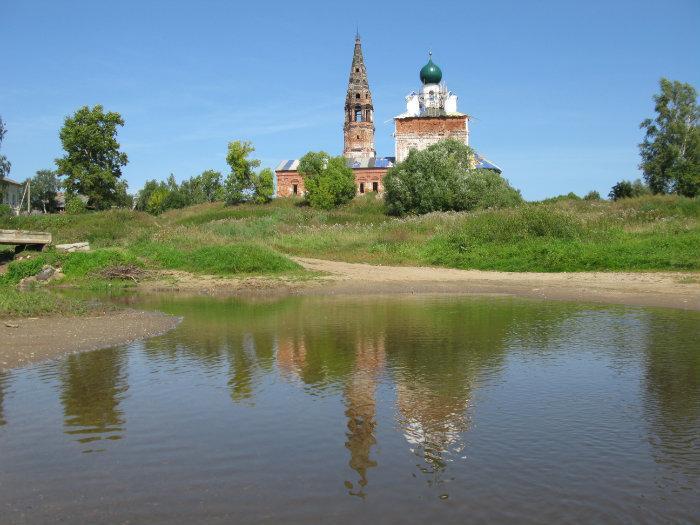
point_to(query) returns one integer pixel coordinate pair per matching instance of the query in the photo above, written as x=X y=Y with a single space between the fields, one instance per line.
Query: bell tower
x=358 y=131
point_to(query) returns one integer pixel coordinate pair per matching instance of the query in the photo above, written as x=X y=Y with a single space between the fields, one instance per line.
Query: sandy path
x=677 y=290
x=24 y=341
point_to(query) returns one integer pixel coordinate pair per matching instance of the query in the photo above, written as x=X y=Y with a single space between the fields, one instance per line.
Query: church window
x=358 y=114
x=362 y=187
x=357 y=96
x=295 y=189
x=375 y=186
x=357 y=70
x=358 y=137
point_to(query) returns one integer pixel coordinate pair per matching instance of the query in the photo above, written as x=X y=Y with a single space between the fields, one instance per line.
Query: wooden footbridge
x=23 y=239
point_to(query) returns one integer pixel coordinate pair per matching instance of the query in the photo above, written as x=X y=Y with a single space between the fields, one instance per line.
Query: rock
x=74 y=247
x=46 y=273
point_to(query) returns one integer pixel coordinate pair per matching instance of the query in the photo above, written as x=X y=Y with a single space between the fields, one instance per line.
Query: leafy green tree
x=592 y=196
x=202 y=188
x=239 y=182
x=44 y=187
x=626 y=189
x=442 y=178
x=145 y=193
x=671 y=148
x=123 y=199
x=157 y=200
x=75 y=205
x=263 y=186
x=328 y=181
x=4 y=163
x=93 y=162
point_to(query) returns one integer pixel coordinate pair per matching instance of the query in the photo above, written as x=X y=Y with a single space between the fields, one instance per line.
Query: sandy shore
x=663 y=289
x=26 y=341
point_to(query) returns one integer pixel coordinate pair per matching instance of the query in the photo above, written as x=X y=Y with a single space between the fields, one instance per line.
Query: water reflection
x=4 y=380
x=92 y=385
x=352 y=394
x=672 y=403
x=361 y=407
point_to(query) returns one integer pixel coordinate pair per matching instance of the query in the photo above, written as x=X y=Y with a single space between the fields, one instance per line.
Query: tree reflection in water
x=4 y=379
x=672 y=400
x=92 y=386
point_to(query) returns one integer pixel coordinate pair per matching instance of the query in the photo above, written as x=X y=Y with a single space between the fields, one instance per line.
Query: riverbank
x=30 y=340
x=659 y=289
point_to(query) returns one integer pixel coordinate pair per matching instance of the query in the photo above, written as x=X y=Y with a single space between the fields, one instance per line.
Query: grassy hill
x=648 y=233
x=645 y=234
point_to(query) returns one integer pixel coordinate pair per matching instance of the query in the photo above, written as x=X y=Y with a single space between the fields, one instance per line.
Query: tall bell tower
x=358 y=131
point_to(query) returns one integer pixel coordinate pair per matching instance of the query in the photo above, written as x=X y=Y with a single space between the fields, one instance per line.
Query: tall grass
x=646 y=233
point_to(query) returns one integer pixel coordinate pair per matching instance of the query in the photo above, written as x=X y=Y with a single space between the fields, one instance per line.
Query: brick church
x=431 y=115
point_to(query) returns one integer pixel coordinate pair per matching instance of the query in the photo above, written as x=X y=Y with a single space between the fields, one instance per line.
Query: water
x=343 y=410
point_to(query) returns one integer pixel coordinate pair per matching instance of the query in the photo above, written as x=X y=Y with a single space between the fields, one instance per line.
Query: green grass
x=643 y=234
x=14 y=303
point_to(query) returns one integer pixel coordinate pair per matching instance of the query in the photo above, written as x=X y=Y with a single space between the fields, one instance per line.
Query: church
x=431 y=115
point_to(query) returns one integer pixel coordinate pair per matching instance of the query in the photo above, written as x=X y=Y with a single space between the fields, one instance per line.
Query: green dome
x=430 y=74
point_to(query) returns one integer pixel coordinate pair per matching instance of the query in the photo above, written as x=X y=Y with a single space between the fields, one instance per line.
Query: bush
x=328 y=180
x=75 y=206
x=442 y=178
x=626 y=189
x=592 y=196
x=216 y=259
x=5 y=211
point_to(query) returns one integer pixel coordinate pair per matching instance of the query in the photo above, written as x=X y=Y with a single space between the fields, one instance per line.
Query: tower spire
x=358 y=130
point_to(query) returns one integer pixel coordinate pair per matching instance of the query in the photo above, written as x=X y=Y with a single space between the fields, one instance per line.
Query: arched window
x=358 y=114
x=357 y=70
x=357 y=96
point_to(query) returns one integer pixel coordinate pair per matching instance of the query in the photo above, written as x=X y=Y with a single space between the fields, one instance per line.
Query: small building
x=369 y=174
x=12 y=192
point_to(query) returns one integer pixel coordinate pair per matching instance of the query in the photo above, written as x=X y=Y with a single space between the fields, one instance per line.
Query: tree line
x=440 y=178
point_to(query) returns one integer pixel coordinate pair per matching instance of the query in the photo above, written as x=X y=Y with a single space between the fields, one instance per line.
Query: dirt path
x=25 y=341
x=677 y=290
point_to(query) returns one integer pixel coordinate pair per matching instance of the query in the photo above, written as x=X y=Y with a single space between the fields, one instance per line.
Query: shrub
x=626 y=189
x=328 y=180
x=5 y=211
x=592 y=196
x=442 y=178
x=75 y=206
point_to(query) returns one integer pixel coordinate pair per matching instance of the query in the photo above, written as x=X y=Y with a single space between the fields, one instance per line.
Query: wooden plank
x=24 y=237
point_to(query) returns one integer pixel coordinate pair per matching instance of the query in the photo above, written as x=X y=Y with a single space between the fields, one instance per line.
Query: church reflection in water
x=425 y=357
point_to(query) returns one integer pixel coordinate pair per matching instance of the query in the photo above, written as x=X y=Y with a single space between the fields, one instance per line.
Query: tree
x=44 y=187
x=4 y=163
x=239 y=182
x=592 y=195
x=92 y=163
x=143 y=196
x=263 y=186
x=441 y=178
x=205 y=187
x=328 y=180
x=626 y=189
x=671 y=148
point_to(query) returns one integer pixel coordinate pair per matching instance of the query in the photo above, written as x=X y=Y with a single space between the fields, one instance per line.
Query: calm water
x=391 y=410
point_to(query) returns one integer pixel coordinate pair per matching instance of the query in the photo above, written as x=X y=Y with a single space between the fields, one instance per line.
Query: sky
x=556 y=89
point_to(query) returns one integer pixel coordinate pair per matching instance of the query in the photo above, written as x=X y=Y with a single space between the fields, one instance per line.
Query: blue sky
x=557 y=89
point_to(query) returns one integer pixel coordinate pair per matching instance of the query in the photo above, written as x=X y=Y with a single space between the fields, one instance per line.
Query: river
x=411 y=409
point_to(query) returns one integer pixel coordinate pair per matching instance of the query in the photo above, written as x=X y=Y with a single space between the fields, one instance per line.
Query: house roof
x=383 y=162
x=369 y=162
x=10 y=181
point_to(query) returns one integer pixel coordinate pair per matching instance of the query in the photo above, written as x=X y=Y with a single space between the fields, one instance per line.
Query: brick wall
x=421 y=132
x=363 y=176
